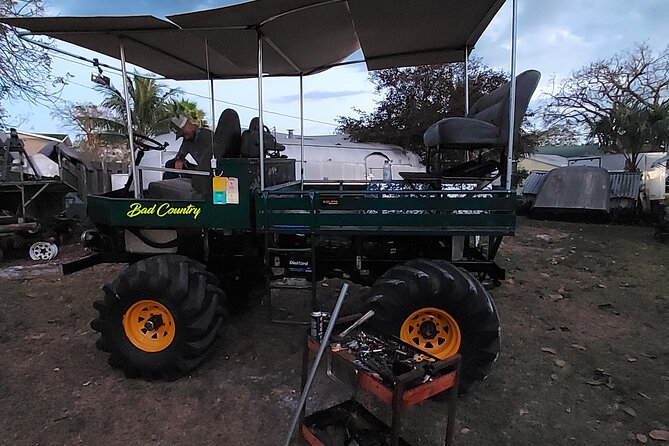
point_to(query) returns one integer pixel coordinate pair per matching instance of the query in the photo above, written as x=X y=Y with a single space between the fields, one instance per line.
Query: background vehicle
x=425 y=242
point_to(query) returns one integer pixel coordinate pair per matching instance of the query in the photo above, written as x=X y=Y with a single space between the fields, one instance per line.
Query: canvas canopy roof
x=301 y=36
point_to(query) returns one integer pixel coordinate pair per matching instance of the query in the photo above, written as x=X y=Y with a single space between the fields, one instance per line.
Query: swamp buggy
x=196 y=247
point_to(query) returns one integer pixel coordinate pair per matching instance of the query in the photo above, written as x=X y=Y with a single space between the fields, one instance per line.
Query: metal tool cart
x=392 y=372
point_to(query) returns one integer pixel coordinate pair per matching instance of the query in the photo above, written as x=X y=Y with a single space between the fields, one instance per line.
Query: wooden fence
x=98 y=180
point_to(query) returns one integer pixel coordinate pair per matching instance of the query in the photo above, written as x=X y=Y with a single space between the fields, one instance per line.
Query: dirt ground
x=585 y=357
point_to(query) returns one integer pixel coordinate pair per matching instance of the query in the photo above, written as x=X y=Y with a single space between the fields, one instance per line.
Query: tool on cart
x=357 y=323
x=317 y=360
x=386 y=357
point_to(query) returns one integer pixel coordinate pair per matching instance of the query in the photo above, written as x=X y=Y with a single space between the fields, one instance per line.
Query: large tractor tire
x=440 y=309
x=160 y=318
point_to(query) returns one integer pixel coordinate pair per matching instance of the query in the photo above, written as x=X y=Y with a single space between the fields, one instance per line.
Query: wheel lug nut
x=154 y=322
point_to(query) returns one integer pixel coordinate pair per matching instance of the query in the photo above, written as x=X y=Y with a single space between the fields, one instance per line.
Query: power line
x=78 y=59
x=266 y=111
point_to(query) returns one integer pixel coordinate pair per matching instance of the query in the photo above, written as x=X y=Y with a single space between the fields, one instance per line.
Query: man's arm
x=180 y=158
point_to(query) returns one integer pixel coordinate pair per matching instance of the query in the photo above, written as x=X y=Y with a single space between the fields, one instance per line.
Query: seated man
x=197 y=141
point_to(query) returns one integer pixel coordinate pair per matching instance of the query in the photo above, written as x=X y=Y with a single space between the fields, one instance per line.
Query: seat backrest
x=250 y=147
x=228 y=135
x=494 y=106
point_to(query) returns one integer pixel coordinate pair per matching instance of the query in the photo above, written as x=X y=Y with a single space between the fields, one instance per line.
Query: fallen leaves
x=660 y=435
x=628 y=410
x=601 y=378
x=609 y=305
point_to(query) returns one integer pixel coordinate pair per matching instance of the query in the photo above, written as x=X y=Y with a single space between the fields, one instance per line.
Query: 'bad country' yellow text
x=162 y=210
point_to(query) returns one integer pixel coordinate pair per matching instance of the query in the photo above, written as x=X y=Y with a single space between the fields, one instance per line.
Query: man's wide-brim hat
x=177 y=125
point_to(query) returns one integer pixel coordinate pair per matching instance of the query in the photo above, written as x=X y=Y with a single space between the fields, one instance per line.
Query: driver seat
x=228 y=135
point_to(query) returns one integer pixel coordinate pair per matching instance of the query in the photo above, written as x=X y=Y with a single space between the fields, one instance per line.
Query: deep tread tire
x=190 y=293
x=422 y=283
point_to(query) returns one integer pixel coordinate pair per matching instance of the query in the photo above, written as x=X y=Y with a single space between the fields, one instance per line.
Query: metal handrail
x=167 y=169
x=388 y=192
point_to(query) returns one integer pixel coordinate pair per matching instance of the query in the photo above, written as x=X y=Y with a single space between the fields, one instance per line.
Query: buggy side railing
x=438 y=212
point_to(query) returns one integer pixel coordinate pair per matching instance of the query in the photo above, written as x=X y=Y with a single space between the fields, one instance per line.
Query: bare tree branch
x=24 y=68
x=620 y=101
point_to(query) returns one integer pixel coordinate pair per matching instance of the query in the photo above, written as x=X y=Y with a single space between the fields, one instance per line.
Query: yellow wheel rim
x=149 y=325
x=433 y=331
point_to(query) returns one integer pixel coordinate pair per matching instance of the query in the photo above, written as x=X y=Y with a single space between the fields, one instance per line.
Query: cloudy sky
x=555 y=37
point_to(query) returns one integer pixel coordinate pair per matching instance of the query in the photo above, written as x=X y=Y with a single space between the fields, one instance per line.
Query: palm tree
x=632 y=129
x=149 y=105
x=187 y=108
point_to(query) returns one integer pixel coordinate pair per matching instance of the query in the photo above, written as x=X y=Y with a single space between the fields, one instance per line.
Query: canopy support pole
x=466 y=81
x=213 y=106
x=301 y=131
x=261 y=136
x=512 y=95
x=128 y=113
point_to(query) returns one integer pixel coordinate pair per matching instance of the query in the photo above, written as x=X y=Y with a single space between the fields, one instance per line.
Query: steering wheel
x=144 y=143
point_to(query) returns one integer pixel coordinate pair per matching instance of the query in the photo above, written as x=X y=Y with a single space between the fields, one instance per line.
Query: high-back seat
x=228 y=135
x=251 y=141
x=487 y=123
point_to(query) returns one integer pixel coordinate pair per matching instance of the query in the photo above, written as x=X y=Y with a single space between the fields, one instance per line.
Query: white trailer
x=328 y=157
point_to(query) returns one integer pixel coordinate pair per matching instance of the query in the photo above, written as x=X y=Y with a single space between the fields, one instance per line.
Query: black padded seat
x=228 y=135
x=250 y=144
x=461 y=132
x=173 y=189
x=487 y=124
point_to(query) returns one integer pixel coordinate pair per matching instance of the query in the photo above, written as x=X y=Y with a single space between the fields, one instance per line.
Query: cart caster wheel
x=43 y=251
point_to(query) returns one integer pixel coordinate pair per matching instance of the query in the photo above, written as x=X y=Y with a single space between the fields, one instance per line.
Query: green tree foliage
x=24 y=68
x=149 y=105
x=414 y=98
x=622 y=102
x=187 y=108
x=102 y=129
x=632 y=129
